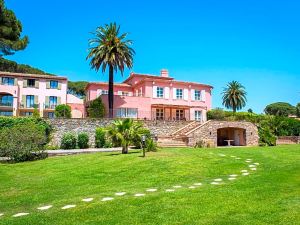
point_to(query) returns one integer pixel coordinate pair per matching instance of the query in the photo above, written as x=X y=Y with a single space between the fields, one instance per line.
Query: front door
x=179 y=114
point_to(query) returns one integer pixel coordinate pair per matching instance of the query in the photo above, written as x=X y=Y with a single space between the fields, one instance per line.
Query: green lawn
x=270 y=195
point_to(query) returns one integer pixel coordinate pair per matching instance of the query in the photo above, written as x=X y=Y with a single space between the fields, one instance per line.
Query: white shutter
x=186 y=94
x=154 y=91
x=174 y=93
x=203 y=97
x=99 y=92
x=167 y=92
x=130 y=93
x=193 y=94
x=120 y=93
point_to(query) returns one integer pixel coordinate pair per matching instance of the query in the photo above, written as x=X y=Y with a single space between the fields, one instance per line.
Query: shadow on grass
x=129 y=153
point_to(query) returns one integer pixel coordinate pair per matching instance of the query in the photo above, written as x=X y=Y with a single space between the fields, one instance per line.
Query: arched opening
x=6 y=104
x=231 y=136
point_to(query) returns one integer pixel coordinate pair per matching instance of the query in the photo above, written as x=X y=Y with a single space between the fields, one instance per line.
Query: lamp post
x=144 y=144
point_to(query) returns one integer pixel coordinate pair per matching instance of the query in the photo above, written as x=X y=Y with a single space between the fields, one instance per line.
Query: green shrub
x=23 y=142
x=216 y=114
x=137 y=140
x=68 y=141
x=100 y=138
x=62 y=111
x=266 y=137
x=96 y=108
x=83 y=140
x=36 y=113
x=151 y=146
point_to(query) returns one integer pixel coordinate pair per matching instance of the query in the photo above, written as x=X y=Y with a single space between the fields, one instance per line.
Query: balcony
x=6 y=104
x=29 y=106
x=50 y=106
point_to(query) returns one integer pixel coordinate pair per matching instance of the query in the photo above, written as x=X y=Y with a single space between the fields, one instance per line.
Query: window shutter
x=15 y=81
x=59 y=86
x=193 y=94
x=99 y=92
x=48 y=84
x=120 y=93
x=167 y=92
x=47 y=100
x=186 y=94
x=130 y=94
x=24 y=100
x=36 y=99
x=154 y=91
x=58 y=100
x=203 y=97
x=37 y=84
x=174 y=93
x=24 y=83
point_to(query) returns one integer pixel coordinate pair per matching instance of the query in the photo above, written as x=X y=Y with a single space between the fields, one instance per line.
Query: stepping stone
x=231 y=178
x=20 y=214
x=222 y=155
x=197 y=184
x=248 y=161
x=215 y=183
x=233 y=175
x=45 y=207
x=232 y=156
x=253 y=168
x=170 y=190
x=256 y=164
x=244 y=171
x=120 y=193
x=151 y=190
x=68 y=206
x=192 y=187
x=139 y=195
x=106 y=199
x=218 y=179
x=245 y=174
x=177 y=186
x=87 y=199
x=237 y=158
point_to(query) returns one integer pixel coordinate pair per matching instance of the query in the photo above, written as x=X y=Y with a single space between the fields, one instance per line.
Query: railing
x=30 y=106
x=50 y=106
x=6 y=104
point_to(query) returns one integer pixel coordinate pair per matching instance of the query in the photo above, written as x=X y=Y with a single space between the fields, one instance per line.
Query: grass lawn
x=270 y=195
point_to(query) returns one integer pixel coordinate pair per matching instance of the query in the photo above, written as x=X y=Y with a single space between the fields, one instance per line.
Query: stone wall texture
x=61 y=126
x=287 y=140
x=207 y=132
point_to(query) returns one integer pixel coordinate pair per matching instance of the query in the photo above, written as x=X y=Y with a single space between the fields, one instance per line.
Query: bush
x=68 y=141
x=96 y=108
x=62 y=111
x=83 y=140
x=23 y=142
x=266 y=137
x=136 y=141
x=216 y=114
x=100 y=137
x=151 y=146
x=36 y=113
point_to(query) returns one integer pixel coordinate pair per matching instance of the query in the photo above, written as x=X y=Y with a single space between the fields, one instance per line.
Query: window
x=6 y=113
x=179 y=114
x=197 y=95
x=179 y=94
x=52 y=102
x=31 y=83
x=53 y=84
x=8 y=81
x=127 y=113
x=159 y=114
x=28 y=113
x=50 y=115
x=104 y=92
x=160 y=92
x=198 y=115
x=29 y=101
x=6 y=100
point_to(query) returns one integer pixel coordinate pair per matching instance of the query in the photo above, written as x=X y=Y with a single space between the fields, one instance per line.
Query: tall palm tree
x=234 y=96
x=124 y=131
x=110 y=49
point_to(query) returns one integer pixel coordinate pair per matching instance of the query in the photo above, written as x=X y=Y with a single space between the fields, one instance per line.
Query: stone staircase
x=178 y=138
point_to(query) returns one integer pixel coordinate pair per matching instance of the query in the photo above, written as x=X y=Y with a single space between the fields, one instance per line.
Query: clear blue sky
x=256 y=42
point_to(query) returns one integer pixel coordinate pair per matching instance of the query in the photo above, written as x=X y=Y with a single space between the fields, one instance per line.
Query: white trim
x=154 y=91
x=185 y=94
x=193 y=94
x=167 y=92
x=203 y=95
x=174 y=93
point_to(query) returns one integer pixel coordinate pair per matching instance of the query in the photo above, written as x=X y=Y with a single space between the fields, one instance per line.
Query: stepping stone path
x=68 y=206
x=151 y=190
x=217 y=181
x=139 y=195
x=106 y=199
x=45 y=207
x=120 y=193
x=20 y=214
x=87 y=199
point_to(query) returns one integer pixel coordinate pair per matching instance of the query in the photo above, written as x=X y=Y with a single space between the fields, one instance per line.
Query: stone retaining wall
x=61 y=126
x=288 y=140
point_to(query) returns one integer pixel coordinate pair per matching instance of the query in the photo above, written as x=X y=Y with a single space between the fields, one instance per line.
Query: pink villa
x=21 y=93
x=144 y=96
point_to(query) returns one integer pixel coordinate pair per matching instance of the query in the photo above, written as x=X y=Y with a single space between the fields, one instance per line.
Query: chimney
x=164 y=73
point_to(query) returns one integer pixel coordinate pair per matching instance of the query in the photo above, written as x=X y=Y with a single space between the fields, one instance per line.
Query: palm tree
x=110 y=49
x=124 y=131
x=234 y=96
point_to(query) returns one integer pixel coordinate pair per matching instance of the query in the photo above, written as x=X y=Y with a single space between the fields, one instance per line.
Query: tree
x=280 y=109
x=96 y=108
x=234 y=96
x=77 y=88
x=124 y=131
x=250 y=111
x=298 y=110
x=62 y=111
x=110 y=49
x=10 y=32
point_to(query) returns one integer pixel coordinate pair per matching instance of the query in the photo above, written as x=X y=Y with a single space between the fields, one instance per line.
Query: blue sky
x=253 y=41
